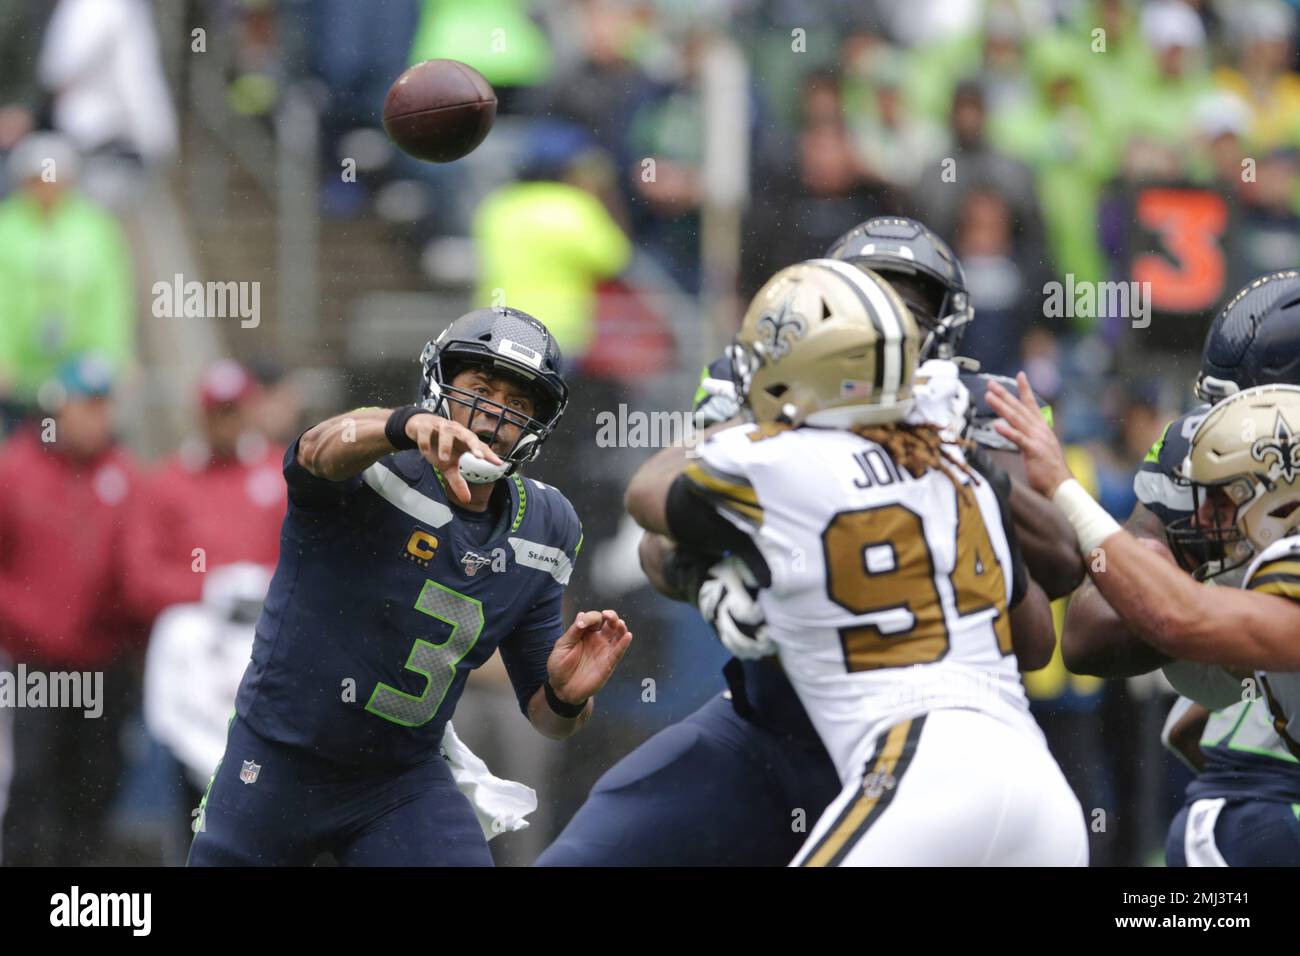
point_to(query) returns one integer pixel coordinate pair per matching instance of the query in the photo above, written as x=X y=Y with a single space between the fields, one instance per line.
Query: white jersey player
x=1276 y=570
x=197 y=655
x=1243 y=465
x=886 y=572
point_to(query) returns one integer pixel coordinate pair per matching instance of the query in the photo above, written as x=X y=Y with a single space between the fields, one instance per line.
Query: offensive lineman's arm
x=1170 y=609
x=1046 y=538
x=1095 y=639
x=646 y=498
x=1033 y=632
x=1183 y=730
x=346 y=445
x=659 y=556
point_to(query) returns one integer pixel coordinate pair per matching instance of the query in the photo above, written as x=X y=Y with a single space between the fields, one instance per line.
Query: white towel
x=501 y=805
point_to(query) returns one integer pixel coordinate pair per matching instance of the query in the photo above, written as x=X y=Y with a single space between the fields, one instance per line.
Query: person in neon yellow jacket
x=66 y=284
x=1071 y=152
x=546 y=242
x=1262 y=77
x=496 y=37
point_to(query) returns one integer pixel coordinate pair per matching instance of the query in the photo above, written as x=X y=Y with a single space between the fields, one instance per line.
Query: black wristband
x=561 y=709
x=395 y=427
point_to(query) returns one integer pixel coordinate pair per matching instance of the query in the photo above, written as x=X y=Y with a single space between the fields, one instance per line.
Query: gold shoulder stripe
x=753 y=513
x=1281 y=566
x=712 y=482
x=768 y=430
x=1283 y=585
x=725 y=491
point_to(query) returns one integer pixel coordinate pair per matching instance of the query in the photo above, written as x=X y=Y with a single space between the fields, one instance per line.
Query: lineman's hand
x=1022 y=423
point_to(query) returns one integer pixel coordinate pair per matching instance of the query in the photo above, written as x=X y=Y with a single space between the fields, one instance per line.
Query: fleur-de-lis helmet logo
x=779 y=330
x=1281 y=446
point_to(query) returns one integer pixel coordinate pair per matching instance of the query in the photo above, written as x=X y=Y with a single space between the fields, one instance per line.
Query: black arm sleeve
x=696 y=526
x=1000 y=482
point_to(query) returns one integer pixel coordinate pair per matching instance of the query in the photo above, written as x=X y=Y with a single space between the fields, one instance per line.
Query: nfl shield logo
x=249 y=772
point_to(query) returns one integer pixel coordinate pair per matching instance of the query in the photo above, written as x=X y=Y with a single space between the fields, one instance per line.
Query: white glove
x=729 y=601
x=715 y=401
x=940 y=398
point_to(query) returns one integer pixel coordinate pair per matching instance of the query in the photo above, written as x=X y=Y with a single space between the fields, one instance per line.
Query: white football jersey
x=197 y=657
x=889 y=593
x=1276 y=570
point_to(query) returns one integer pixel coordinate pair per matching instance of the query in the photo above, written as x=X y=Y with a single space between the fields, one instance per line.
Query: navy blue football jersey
x=382 y=604
x=1157 y=483
x=1245 y=758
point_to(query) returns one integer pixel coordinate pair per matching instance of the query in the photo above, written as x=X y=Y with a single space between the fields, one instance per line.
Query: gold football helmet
x=1244 y=455
x=826 y=343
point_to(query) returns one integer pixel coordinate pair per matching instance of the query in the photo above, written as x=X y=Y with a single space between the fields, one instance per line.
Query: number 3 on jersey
x=878 y=561
x=437 y=662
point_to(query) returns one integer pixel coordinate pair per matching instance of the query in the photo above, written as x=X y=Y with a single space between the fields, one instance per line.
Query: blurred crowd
x=1047 y=140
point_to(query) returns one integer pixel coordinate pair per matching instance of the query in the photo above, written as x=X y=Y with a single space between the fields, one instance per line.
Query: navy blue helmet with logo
x=1254 y=340
x=504 y=342
x=922 y=269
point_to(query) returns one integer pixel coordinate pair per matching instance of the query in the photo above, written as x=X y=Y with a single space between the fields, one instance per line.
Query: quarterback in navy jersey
x=411 y=551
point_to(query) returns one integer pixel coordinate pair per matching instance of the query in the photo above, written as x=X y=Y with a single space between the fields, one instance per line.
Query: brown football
x=439 y=110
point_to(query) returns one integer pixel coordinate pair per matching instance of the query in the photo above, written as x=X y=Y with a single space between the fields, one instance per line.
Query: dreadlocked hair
x=918 y=448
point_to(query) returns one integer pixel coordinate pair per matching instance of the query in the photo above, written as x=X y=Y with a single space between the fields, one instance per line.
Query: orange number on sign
x=1190 y=223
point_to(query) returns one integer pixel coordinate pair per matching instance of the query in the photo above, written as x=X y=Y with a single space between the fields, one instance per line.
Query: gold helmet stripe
x=889 y=373
x=832 y=265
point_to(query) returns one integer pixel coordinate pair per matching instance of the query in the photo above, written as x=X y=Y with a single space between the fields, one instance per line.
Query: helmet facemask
x=1244 y=455
x=1212 y=390
x=487 y=417
x=1209 y=550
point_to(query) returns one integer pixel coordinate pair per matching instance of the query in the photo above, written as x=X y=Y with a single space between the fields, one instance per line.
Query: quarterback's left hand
x=586 y=654
x=1022 y=422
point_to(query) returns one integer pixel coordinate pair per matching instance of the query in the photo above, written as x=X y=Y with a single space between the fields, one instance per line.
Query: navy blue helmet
x=922 y=269
x=1254 y=340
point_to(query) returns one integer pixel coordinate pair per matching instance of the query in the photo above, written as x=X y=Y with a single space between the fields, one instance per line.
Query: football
x=439 y=110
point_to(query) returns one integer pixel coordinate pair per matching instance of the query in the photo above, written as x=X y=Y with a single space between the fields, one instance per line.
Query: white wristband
x=1092 y=525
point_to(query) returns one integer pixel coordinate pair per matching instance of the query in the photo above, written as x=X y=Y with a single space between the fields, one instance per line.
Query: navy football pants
x=1246 y=833
x=711 y=790
x=299 y=806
